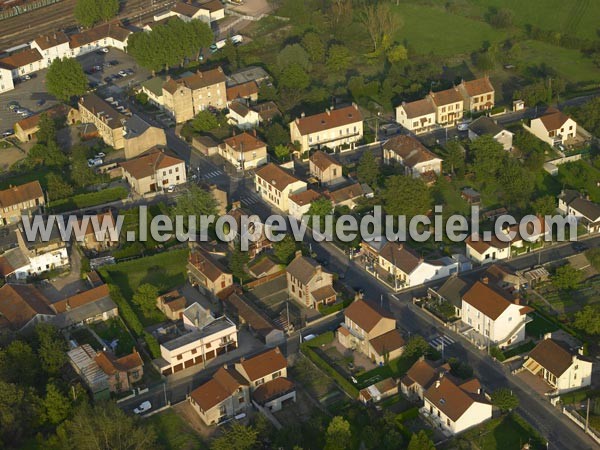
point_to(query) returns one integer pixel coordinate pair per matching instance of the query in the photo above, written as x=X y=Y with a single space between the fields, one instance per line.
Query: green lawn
x=40 y=174
x=174 y=433
x=569 y=64
x=84 y=336
x=508 y=432
x=165 y=270
x=539 y=326
x=114 y=329
x=89 y=199
x=433 y=30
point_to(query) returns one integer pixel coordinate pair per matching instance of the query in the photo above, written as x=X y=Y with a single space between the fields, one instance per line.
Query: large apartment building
x=184 y=97
x=275 y=185
x=108 y=121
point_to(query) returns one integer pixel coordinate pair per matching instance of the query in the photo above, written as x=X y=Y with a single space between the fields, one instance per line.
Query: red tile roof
x=205 y=264
x=553 y=119
x=244 y=90
x=276 y=176
x=113 y=29
x=329 y=119
x=21 y=59
x=451 y=399
x=19 y=303
x=323 y=160
x=244 y=142
x=305 y=197
x=219 y=388
x=52 y=40
x=111 y=365
x=366 y=315
x=147 y=165
x=446 y=97
x=273 y=389
x=418 y=108
x=410 y=150
x=479 y=86
x=400 y=256
x=487 y=300
x=387 y=342
x=196 y=81
x=552 y=356
x=83 y=298
x=20 y=194
x=264 y=364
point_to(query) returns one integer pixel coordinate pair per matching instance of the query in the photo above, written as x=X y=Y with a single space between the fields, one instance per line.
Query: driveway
x=68 y=285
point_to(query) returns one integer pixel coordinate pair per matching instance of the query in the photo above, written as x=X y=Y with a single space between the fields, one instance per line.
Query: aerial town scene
x=300 y=224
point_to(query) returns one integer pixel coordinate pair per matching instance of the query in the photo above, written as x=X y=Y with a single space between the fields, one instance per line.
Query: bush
x=153 y=345
x=325 y=367
x=409 y=414
x=126 y=311
x=89 y=199
x=497 y=353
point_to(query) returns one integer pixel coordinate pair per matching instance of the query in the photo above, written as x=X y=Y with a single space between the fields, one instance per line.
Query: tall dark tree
x=52 y=348
x=368 y=169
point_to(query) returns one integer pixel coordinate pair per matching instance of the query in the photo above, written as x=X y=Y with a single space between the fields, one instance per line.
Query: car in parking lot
x=40 y=102
x=103 y=50
x=25 y=77
x=8 y=133
x=93 y=162
x=108 y=79
x=13 y=105
x=114 y=62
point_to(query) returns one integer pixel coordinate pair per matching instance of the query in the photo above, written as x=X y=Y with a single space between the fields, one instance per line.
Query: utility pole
x=165 y=392
x=587 y=415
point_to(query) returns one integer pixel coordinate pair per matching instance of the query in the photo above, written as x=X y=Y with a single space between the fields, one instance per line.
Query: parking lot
x=31 y=94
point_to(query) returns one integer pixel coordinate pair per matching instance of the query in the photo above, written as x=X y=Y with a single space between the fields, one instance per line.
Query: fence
x=581 y=423
x=565 y=159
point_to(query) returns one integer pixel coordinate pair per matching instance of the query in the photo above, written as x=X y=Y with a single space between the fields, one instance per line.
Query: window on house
x=179 y=357
x=259 y=382
x=277 y=374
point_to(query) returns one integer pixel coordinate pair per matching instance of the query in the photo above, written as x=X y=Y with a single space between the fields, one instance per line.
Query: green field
x=165 y=270
x=174 y=433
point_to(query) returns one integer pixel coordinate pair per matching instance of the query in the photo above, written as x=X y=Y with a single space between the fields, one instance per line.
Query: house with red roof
x=553 y=127
x=154 y=171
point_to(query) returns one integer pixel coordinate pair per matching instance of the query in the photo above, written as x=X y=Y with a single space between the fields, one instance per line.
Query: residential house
x=206 y=338
x=21 y=63
x=496 y=317
x=308 y=283
x=452 y=292
x=478 y=95
x=370 y=331
x=448 y=106
x=553 y=127
x=587 y=213
x=416 y=159
x=267 y=111
x=153 y=89
x=172 y=304
x=187 y=96
x=6 y=77
x=24 y=199
x=242 y=116
x=471 y=196
x=205 y=145
x=206 y=274
x=247 y=74
x=244 y=151
x=260 y=381
x=378 y=391
x=110 y=34
x=22 y=307
x=154 y=171
x=255 y=234
x=335 y=129
x=52 y=46
x=455 y=406
x=325 y=168
x=246 y=92
x=417 y=117
x=97 y=239
x=26 y=129
x=563 y=368
x=139 y=137
x=401 y=267
x=105 y=118
x=264 y=267
x=421 y=375
x=208 y=12
x=346 y=195
x=486 y=126
x=103 y=373
x=299 y=204
x=93 y=305
x=275 y=185
x=487 y=251
x=246 y=313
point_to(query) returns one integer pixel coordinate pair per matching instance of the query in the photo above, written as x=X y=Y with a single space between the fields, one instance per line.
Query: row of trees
x=169 y=44
x=91 y=12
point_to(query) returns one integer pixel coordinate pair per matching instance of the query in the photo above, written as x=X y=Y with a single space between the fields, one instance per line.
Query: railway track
x=26 y=27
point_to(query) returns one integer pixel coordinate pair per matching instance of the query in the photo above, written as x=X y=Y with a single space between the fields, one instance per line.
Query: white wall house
x=416 y=159
x=43 y=262
x=587 y=213
x=275 y=185
x=52 y=46
x=484 y=252
x=554 y=127
x=417 y=117
x=496 y=320
x=564 y=369
x=485 y=126
x=299 y=204
x=6 y=79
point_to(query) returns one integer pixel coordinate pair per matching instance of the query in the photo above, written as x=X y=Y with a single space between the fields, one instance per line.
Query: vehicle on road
x=214 y=48
x=579 y=247
x=8 y=133
x=171 y=188
x=463 y=126
x=144 y=407
x=40 y=102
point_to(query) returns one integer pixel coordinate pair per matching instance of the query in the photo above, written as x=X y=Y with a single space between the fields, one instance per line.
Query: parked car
x=103 y=50
x=93 y=162
x=144 y=406
x=8 y=133
x=114 y=62
x=13 y=105
x=100 y=155
x=40 y=102
x=108 y=79
x=463 y=126
x=24 y=112
x=25 y=78
x=171 y=188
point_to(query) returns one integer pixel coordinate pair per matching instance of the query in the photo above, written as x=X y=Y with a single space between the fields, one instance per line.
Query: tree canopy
x=404 y=195
x=338 y=434
x=65 y=79
x=145 y=297
x=421 y=441
x=285 y=249
x=567 y=277
x=588 y=320
x=368 y=169
x=238 y=437
x=91 y=12
x=504 y=399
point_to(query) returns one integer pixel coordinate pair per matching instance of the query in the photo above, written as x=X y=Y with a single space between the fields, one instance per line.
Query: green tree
x=58 y=405
x=195 y=201
x=282 y=152
x=91 y=12
x=544 y=206
x=294 y=77
x=19 y=364
x=488 y=157
x=314 y=46
x=285 y=249
x=454 y=158
x=145 y=298
x=238 y=437
x=276 y=135
x=593 y=256
x=81 y=174
x=397 y=53
x=52 y=348
x=237 y=263
x=416 y=347
x=588 y=320
x=588 y=115
x=204 y=121
x=339 y=58
x=504 y=399
x=515 y=181
x=404 y=195
x=20 y=411
x=567 y=278
x=47 y=129
x=57 y=187
x=320 y=208
x=368 y=169
x=65 y=79
x=293 y=55
x=378 y=19
x=104 y=426
x=339 y=435
x=420 y=441
x=460 y=368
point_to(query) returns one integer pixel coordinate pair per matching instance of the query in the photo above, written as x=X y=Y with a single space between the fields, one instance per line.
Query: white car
x=463 y=126
x=144 y=406
x=100 y=155
x=103 y=50
x=171 y=188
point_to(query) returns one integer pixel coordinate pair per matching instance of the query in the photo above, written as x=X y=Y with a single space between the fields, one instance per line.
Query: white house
x=242 y=116
x=275 y=185
x=416 y=159
x=244 y=151
x=417 y=117
x=52 y=46
x=6 y=78
x=561 y=367
x=299 y=204
x=572 y=203
x=486 y=251
x=111 y=34
x=493 y=317
x=448 y=105
x=454 y=407
x=22 y=63
x=334 y=128
x=554 y=127
x=486 y=126
x=208 y=12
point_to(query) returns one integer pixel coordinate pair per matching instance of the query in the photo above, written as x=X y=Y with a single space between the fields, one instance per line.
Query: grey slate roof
x=485 y=125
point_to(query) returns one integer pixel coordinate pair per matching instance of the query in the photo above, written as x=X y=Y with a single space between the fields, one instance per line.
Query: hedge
x=153 y=345
x=89 y=199
x=409 y=414
x=126 y=311
x=325 y=367
x=579 y=396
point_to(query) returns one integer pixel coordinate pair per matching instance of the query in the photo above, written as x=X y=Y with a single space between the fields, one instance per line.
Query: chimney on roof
x=437 y=384
x=254 y=132
x=517 y=300
x=236 y=204
x=302 y=115
x=328 y=111
x=485 y=280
